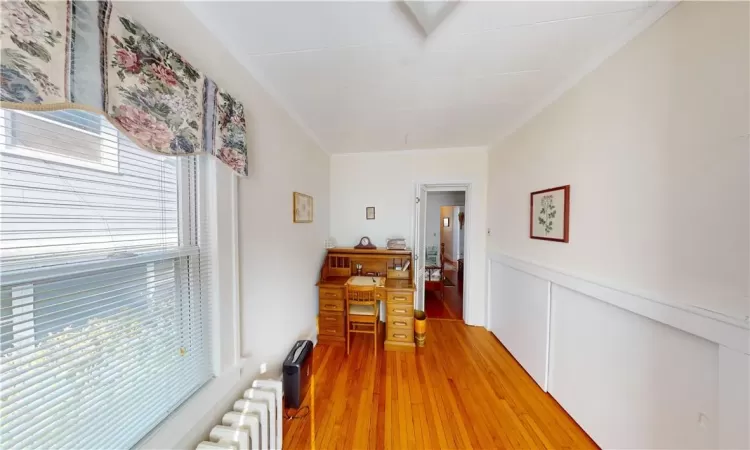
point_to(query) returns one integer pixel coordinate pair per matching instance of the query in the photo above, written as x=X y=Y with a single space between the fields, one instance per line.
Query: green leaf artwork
x=547 y=213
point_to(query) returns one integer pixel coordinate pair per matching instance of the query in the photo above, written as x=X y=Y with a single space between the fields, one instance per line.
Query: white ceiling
x=360 y=76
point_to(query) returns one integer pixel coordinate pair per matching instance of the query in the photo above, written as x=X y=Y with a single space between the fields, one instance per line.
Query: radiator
x=255 y=422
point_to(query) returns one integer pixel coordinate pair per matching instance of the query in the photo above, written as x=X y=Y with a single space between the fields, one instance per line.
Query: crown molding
x=280 y=100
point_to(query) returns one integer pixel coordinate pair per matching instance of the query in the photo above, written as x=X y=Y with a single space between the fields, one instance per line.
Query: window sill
x=190 y=422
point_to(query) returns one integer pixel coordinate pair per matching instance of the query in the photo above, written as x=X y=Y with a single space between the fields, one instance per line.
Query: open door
x=420 y=219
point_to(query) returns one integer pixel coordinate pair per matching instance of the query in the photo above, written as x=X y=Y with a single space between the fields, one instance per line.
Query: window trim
x=109 y=166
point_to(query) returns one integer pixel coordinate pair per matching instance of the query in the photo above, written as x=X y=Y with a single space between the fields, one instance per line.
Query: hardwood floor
x=462 y=390
x=446 y=305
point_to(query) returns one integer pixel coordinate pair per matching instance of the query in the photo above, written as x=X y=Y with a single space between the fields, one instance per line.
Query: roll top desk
x=397 y=293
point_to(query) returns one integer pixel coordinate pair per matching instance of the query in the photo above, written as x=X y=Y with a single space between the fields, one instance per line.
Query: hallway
x=450 y=303
x=463 y=390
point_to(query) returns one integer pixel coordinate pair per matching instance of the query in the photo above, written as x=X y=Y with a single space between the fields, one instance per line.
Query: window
x=104 y=288
x=68 y=137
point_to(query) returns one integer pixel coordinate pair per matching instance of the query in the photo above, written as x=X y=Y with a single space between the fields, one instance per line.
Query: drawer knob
x=398 y=322
x=329 y=306
x=400 y=298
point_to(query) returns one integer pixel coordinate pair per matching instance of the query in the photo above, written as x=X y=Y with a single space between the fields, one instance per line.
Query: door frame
x=469 y=238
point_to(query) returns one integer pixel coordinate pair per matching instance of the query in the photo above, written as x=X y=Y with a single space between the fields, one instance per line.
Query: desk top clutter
x=366 y=281
x=396 y=244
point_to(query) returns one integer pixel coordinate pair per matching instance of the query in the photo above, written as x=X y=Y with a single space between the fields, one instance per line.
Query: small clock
x=365 y=243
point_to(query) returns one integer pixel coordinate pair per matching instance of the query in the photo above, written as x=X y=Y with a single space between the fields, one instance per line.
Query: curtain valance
x=83 y=55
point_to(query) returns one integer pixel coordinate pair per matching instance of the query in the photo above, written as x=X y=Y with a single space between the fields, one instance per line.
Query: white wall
x=387 y=181
x=654 y=144
x=450 y=235
x=446 y=233
x=273 y=311
x=434 y=221
x=647 y=343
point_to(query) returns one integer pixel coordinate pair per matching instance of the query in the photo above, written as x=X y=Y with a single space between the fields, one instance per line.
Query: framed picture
x=302 y=208
x=446 y=222
x=550 y=214
x=370 y=213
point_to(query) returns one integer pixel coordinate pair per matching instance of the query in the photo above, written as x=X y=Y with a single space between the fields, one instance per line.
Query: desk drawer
x=399 y=335
x=331 y=293
x=401 y=297
x=395 y=322
x=393 y=310
x=331 y=305
x=331 y=330
x=327 y=320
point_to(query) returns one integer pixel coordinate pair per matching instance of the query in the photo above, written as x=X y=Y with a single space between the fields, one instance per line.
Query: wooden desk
x=397 y=291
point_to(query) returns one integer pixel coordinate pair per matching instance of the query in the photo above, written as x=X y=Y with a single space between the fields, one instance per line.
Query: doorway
x=440 y=247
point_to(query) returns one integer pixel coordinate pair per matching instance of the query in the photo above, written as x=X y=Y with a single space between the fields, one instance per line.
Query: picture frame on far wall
x=550 y=214
x=370 y=213
x=302 y=208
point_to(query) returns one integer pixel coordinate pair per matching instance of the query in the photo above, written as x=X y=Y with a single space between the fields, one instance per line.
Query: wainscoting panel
x=734 y=399
x=519 y=318
x=634 y=372
x=629 y=381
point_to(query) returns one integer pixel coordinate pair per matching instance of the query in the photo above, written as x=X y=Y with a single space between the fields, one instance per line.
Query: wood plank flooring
x=463 y=390
x=448 y=304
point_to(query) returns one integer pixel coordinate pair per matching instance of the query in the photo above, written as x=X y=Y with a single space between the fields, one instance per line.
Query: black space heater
x=297 y=373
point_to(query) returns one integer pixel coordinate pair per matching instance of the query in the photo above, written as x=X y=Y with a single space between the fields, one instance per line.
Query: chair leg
x=348 y=335
x=377 y=323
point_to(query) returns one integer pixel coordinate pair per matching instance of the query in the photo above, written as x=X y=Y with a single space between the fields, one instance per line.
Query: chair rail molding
x=730 y=332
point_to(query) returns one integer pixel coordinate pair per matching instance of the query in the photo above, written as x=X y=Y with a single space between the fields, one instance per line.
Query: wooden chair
x=362 y=313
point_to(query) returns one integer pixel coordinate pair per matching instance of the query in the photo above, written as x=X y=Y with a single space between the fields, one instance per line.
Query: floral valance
x=80 y=54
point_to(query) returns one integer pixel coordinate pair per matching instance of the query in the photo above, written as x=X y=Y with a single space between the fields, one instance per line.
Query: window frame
x=106 y=147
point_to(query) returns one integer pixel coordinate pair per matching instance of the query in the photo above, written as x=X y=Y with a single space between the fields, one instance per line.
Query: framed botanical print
x=370 y=213
x=550 y=214
x=302 y=208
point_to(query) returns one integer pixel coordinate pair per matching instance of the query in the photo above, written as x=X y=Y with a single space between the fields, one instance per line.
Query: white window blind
x=104 y=283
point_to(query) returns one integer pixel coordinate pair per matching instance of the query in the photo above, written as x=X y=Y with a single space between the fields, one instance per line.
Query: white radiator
x=255 y=423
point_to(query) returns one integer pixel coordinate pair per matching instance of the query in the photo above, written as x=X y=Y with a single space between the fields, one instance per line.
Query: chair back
x=360 y=295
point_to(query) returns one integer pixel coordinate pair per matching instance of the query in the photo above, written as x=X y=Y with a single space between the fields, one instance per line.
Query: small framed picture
x=446 y=222
x=550 y=214
x=370 y=213
x=302 y=208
